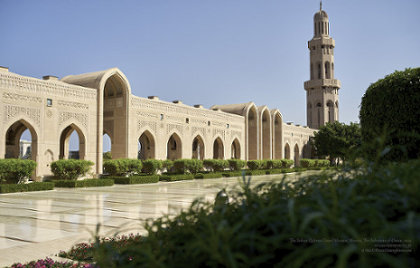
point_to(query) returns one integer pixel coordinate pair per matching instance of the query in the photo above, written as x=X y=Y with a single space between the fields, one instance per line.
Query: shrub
x=107 y=156
x=287 y=163
x=118 y=167
x=16 y=170
x=209 y=164
x=236 y=164
x=83 y=183
x=49 y=263
x=176 y=177
x=274 y=164
x=322 y=163
x=254 y=164
x=168 y=165
x=290 y=224
x=307 y=163
x=151 y=166
x=136 y=179
x=232 y=173
x=181 y=166
x=207 y=175
x=29 y=187
x=194 y=165
x=70 y=169
x=220 y=164
x=390 y=107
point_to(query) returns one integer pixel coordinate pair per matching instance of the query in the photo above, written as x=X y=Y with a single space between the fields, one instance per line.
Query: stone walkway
x=34 y=225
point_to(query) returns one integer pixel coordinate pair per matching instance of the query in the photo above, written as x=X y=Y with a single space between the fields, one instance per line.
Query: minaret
x=322 y=88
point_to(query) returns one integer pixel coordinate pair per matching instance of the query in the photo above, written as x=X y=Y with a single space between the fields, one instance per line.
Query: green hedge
x=254 y=164
x=213 y=175
x=70 y=169
x=168 y=165
x=209 y=164
x=151 y=166
x=120 y=167
x=83 y=183
x=314 y=163
x=274 y=164
x=16 y=170
x=136 y=179
x=176 y=177
x=29 y=187
x=181 y=166
x=287 y=163
x=237 y=173
x=236 y=164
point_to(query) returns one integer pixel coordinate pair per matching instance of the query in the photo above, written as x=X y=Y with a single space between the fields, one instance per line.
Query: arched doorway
x=287 y=151
x=146 y=146
x=266 y=137
x=297 y=155
x=252 y=134
x=198 y=148
x=235 y=149
x=74 y=149
x=21 y=141
x=277 y=152
x=174 y=147
x=218 y=150
x=115 y=114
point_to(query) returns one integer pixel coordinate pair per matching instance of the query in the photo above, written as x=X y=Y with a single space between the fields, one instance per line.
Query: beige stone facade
x=99 y=103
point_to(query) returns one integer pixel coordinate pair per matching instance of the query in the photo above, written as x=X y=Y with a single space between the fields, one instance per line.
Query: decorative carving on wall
x=221 y=132
x=19 y=97
x=81 y=118
x=148 y=115
x=170 y=127
x=13 y=111
x=200 y=129
x=72 y=104
x=236 y=133
x=41 y=87
x=141 y=124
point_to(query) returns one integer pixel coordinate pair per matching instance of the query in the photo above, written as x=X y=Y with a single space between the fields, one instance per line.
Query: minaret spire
x=320 y=5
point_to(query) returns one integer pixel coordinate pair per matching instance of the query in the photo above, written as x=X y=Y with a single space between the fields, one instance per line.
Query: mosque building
x=99 y=103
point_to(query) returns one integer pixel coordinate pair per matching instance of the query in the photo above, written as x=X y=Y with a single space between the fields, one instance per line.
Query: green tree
x=337 y=140
x=390 y=109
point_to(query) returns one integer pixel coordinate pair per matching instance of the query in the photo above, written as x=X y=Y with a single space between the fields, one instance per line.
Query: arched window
x=319 y=106
x=331 y=114
x=146 y=146
x=297 y=156
x=266 y=137
x=252 y=134
x=174 y=147
x=327 y=70
x=235 y=150
x=218 y=151
x=72 y=143
x=319 y=70
x=198 y=148
x=312 y=71
x=287 y=151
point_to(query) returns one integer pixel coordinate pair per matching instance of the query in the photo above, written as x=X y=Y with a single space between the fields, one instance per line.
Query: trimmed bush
x=194 y=165
x=274 y=164
x=236 y=164
x=207 y=175
x=136 y=179
x=220 y=164
x=209 y=164
x=176 y=177
x=322 y=163
x=307 y=163
x=70 y=169
x=151 y=166
x=390 y=107
x=29 y=187
x=287 y=163
x=254 y=164
x=118 y=167
x=256 y=172
x=233 y=173
x=83 y=183
x=16 y=170
x=168 y=165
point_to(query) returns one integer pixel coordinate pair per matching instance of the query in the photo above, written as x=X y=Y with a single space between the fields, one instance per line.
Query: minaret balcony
x=317 y=83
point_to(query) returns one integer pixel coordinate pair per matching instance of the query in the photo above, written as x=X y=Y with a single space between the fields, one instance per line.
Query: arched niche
x=277 y=136
x=65 y=152
x=174 y=147
x=17 y=148
x=235 y=149
x=218 y=149
x=198 y=148
x=146 y=146
x=266 y=134
x=287 y=151
x=296 y=155
x=252 y=120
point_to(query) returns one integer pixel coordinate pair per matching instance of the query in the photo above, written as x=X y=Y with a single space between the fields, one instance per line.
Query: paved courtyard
x=38 y=224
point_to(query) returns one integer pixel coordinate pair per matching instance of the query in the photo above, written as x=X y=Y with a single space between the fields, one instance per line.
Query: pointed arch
x=64 y=142
x=218 y=149
x=13 y=137
x=277 y=135
x=235 y=149
x=174 y=147
x=287 y=151
x=146 y=146
x=265 y=133
x=331 y=111
x=296 y=155
x=198 y=148
x=252 y=130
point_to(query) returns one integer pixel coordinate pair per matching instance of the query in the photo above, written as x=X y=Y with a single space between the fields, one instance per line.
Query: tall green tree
x=337 y=140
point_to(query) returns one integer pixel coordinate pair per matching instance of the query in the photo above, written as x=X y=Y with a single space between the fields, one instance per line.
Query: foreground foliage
x=390 y=107
x=70 y=169
x=326 y=220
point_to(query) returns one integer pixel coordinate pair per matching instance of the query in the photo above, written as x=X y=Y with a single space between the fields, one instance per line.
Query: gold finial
x=320 y=5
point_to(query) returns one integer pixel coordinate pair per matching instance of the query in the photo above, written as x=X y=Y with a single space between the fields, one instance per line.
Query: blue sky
x=213 y=52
